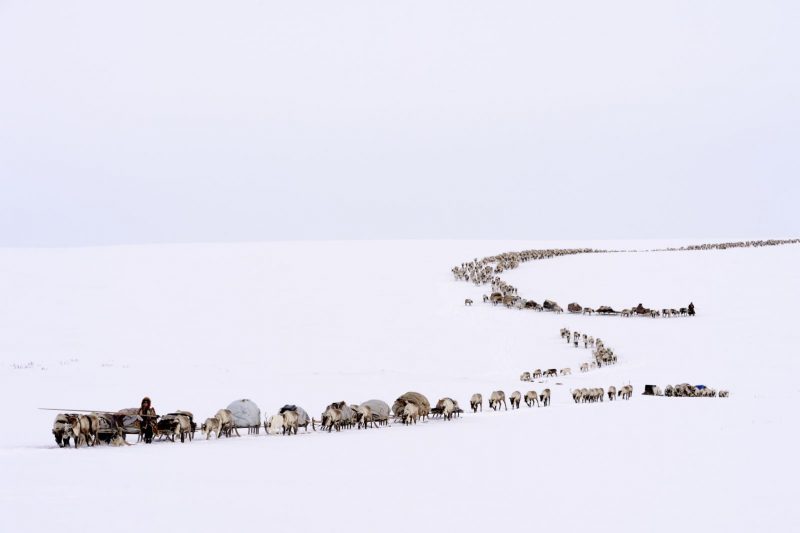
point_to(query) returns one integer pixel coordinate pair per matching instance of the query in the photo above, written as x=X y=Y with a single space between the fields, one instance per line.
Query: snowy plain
x=198 y=326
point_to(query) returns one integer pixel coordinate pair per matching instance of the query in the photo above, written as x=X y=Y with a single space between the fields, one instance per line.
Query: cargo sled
x=652 y=390
x=246 y=414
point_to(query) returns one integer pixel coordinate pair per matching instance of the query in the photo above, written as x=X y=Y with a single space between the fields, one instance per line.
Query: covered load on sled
x=652 y=390
x=130 y=422
x=412 y=397
x=606 y=310
x=549 y=305
x=246 y=414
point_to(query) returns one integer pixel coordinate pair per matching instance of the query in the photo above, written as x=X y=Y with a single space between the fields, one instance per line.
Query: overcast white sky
x=155 y=121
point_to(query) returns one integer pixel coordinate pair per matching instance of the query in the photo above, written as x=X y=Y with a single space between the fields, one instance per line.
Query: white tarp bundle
x=245 y=413
x=379 y=408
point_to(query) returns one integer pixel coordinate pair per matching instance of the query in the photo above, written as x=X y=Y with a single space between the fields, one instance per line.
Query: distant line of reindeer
x=486 y=271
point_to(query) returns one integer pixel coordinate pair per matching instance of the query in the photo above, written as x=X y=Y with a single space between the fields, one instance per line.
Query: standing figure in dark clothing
x=148 y=414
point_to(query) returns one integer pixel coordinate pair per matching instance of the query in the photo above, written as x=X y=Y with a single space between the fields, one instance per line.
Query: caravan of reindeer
x=601 y=356
x=411 y=408
x=91 y=428
x=408 y=409
x=486 y=271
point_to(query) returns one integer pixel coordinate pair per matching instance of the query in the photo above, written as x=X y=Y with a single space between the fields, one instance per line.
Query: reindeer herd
x=89 y=429
x=514 y=301
x=410 y=408
x=596 y=394
x=601 y=356
x=486 y=271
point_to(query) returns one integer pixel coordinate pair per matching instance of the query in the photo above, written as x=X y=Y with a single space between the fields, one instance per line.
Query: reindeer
x=82 y=429
x=212 y=426
x=496 y=398
x=410 y=413
x=448 y=407
x=227 y=425
x=626 y=392
x=331 y=419
x=531 y=397
x=515 y=398
x=545 y=397
x=290 y=419
x=475 y=402
x=364 y=416
x=62 y=431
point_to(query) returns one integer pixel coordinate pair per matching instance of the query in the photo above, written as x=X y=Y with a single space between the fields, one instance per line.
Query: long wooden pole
x=95 y=411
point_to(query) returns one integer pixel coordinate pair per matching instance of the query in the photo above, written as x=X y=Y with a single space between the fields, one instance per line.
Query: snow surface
x=198 y=326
